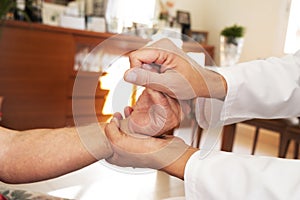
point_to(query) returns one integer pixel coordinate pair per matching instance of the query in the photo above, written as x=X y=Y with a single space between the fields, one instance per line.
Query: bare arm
x=177 y=168
x=40 y=154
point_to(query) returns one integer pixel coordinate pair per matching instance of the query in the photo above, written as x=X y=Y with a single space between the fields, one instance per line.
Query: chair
x=196 y=135
x=276 y=125
x=279 y=126
x=292 y=133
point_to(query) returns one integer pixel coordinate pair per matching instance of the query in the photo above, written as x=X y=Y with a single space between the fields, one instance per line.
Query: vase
x=230 y=50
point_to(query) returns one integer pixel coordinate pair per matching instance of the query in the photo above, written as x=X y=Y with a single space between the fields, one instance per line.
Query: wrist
x=214 y=85
x=177 y=168
x=105 y=147
x=94 y=140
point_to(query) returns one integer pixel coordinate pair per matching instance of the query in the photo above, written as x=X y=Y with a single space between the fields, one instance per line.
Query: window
x=292 y=41
x=129 y=11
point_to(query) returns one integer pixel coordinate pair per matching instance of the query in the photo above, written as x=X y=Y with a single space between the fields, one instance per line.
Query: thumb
x=170 y=82
x=146 y=78
x=112 y=131
x=141 y=76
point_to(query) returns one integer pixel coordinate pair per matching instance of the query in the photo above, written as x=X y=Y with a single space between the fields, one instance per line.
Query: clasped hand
x=154 y=114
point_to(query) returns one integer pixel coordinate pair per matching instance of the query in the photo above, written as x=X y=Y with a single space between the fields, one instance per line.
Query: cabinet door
x=33 y=76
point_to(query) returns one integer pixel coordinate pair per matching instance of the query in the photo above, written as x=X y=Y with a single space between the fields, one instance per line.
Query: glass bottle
x=19 y=13
x=34 y=10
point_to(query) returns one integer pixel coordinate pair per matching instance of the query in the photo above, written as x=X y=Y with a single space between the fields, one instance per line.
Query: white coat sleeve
x=223 y=175
x=258 y=89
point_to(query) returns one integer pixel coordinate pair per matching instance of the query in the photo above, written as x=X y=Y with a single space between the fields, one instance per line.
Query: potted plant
x=231 y=43
x=10 y=10
x=232 y=33
x=5 y=8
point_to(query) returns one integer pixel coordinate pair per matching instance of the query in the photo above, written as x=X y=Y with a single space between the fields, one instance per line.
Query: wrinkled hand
x=153 y=114
x=164 y=67
x=144 y=151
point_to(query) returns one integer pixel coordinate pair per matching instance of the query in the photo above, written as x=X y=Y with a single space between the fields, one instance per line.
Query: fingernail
x=131 y=76
x=114 y=119
x=147 y=66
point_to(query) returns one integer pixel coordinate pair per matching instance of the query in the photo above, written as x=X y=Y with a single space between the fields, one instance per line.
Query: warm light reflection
x=121 y=93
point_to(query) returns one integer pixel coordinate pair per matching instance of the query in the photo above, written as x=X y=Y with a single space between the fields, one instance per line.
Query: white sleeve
x=223 y=175
x=258 y=89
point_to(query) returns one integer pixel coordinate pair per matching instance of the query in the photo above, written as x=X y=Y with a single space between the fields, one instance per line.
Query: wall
x=265 y=23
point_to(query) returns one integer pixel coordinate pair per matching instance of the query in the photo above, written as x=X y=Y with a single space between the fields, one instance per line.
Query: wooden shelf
x=37 y=76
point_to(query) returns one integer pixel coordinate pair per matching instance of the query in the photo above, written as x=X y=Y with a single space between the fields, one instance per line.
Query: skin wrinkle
x=161 y=111
x=156 y=124
x=160 y=59
x=159 y=119
x=166 y=62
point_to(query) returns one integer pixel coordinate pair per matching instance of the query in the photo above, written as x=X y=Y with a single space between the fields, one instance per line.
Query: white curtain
x=292 y=42
x=129 y=11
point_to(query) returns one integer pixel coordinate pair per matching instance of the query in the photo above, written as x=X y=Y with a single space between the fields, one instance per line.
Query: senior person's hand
x=153 y=114
x=164 y=67
x=167 y=153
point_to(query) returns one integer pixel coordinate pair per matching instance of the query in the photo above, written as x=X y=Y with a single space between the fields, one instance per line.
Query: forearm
x=177 y=168
x=41 y=154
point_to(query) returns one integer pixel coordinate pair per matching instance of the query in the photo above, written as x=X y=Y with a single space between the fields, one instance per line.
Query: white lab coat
x=259 y=89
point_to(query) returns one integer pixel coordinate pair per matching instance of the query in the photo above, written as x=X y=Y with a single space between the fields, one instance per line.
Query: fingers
x=141 y=76
x=158 y=55
x=154 y=114
x=152 y=67
x=155 y=60
x=127 y=111
x=167 y=44
x=148 y=152
x=173 y=106
x=118 y=116
x=158 y=52
x=176 y=108
x=112 y=131
x=142 y=56
x=157 y=97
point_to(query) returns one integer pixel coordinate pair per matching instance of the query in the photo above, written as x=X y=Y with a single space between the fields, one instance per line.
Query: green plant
x=232 y=33
x=5 y=7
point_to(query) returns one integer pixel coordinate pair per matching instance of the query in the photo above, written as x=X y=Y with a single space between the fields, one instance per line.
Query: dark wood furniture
x=228 y=137
x=284 y=127
x=37 y=74
x=292 y=133
x=276 y=125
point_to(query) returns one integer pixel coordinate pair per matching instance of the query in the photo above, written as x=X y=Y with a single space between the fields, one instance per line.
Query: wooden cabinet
x=37 y=74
